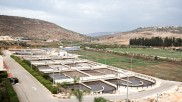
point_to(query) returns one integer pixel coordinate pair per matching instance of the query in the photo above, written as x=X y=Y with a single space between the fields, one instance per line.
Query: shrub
x=11 y=93
x=3 y=74
x=100 y=99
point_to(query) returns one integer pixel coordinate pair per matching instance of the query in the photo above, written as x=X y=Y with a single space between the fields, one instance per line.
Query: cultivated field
x=151 y=51
x=160 y=69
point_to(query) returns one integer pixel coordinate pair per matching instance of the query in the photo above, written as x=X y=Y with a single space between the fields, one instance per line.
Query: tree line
x=156 y=41
x=6 y=44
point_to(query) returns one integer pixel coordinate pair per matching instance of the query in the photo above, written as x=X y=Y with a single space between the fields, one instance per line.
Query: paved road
x=29 y=89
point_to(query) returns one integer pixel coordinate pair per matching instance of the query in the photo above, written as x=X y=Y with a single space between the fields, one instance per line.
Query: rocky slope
x=35 y=29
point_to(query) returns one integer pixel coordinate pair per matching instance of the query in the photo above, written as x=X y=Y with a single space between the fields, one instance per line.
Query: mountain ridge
x=37 y=29
x=146 y=32
x=172 y=29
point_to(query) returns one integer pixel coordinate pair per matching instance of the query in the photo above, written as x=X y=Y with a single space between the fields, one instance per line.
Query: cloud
x=27 y=13
x=86 y=16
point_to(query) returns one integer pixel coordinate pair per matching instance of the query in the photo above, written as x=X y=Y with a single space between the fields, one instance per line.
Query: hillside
x=147 y=32
x=35 y=29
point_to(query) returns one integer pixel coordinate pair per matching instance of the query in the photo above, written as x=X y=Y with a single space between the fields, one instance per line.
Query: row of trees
x=156 y=41
x=5 y=44
x=103 y=46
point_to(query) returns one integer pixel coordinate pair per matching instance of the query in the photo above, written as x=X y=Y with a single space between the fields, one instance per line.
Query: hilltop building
x=6 y=38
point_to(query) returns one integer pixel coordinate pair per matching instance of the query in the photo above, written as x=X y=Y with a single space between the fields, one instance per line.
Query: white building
x=63 y=53
x=6 y=38
x=52 y=52
x=52 y=40
x=57 y=52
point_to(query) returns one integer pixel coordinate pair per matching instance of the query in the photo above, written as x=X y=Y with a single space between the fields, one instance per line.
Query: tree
x=64 y=84
x=75 y=80
x=156 y=41
x=100 y=99
x=63 y=87
x=78 y=94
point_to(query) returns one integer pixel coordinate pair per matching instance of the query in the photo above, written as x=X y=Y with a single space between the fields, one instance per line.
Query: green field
x=151 y=51
x=164 y=70
x=115 y=60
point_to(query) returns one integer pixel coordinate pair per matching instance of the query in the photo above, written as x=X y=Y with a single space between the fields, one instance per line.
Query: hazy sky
x=88 y=16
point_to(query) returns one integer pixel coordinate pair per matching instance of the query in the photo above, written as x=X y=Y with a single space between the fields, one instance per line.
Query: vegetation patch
x=3 y=74
x=11 y=93
x=7 y=93
x=115 y=60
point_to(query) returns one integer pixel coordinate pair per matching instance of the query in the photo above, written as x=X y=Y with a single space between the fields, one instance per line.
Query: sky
x=89 y=16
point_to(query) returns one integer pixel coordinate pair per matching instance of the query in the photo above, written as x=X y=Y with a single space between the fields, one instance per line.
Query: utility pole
x=53 y=74
x=105 y=56
x=30 y=61
x=53 y=78
x=131 y=62
x=127 y=90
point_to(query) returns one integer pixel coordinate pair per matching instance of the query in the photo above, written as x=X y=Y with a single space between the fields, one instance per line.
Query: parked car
x=14 y=80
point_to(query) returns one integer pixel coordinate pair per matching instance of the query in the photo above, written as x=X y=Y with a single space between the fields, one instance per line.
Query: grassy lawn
x=114 y=60
x=151 y=51
x=164 y=70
